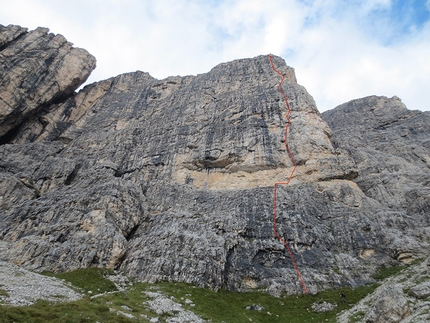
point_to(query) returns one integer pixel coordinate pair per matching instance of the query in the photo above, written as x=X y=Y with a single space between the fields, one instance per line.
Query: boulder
x=420 y=291
x=321 y=307
x=390 y=306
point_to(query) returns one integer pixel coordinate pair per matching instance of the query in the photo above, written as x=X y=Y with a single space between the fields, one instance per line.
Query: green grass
x=91 y=280
x=99 y=309
x=3 y=292
x=231 y=307
x=218 y=306
x=385 y=272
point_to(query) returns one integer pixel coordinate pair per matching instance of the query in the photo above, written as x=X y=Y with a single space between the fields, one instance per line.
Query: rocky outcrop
x=163 y=305
x=173 y=180
x=391 y=147
x=37 y=68
x=395 y=300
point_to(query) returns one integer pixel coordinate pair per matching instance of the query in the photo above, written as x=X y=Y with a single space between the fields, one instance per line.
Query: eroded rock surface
x=395 y=300
x=37 y=68
x=173 y=180
x=390 y=145
x=163 y=305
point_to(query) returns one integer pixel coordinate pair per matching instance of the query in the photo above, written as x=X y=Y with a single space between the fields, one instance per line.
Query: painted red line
x=287 y=116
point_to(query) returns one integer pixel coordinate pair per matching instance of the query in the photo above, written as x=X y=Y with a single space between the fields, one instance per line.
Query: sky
x=340 y=49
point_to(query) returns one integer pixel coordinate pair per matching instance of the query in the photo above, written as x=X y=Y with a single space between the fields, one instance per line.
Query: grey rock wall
x=36 y=69
x=173 y=180
x=391 y=146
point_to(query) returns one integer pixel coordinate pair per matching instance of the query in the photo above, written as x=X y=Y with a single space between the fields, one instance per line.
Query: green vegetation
x=218 y=306
x=3 y=292
x=105 y=308
x=231 y=307
x=385 y=272
x=88 y=279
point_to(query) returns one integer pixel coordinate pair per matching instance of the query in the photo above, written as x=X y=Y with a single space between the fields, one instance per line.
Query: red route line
x=289 y=178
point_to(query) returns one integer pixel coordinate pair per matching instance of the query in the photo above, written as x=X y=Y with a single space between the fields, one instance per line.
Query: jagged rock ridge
x=173 y=180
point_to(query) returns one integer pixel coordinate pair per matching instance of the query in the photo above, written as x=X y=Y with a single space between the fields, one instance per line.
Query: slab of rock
x=390 y=306
x=163 y=305
x=9 y=34
x=390 y=303
x=420 y=291
x=255 y=307
x=391 y=147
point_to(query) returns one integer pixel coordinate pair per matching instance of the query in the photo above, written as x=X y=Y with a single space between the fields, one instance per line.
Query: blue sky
x=341 y=49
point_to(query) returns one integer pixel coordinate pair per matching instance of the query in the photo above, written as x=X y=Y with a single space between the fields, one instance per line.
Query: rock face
x=173 y=180
x=391 y=148
x=36 y=69
x=400 y=299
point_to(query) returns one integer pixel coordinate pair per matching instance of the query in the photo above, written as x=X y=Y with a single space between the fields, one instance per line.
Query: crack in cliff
x=72 y=176
x=227 y=265
x=31 y=187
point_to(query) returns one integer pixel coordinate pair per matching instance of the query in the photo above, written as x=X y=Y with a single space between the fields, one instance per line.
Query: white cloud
x=340 y=50
x=340 y=59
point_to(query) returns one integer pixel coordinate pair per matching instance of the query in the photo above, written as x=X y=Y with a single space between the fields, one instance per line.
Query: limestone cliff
x=173 y=179
x=37 y=68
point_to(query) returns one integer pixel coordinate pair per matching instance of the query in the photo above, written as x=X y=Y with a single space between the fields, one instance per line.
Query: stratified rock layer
x=36 y=69
x=391 y=146
x=21 y=287
x=173 y=180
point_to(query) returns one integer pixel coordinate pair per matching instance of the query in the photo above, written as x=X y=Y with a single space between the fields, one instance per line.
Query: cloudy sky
x=341 y=49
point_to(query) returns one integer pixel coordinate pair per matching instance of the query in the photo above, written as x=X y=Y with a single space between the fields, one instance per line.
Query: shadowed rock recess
x=173 y=179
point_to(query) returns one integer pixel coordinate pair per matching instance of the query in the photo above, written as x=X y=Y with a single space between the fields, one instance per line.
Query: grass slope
x=216 y=307
x=231 y=307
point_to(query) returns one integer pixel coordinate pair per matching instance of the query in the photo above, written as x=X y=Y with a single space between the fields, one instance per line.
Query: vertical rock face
x=36 y=69
x=385 y=139
x=173 y=180
x=391 y=147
